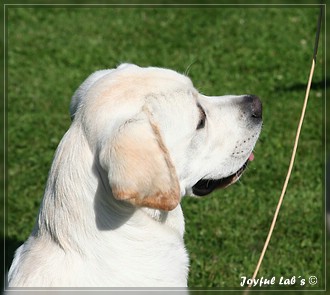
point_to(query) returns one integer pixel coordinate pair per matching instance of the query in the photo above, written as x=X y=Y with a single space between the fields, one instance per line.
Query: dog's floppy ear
x=139 y=167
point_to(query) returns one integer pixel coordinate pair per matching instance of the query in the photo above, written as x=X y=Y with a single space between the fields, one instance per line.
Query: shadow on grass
x=11 y=246
x=302 y=86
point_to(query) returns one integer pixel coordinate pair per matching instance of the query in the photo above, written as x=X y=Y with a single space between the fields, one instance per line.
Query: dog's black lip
x=205 y=186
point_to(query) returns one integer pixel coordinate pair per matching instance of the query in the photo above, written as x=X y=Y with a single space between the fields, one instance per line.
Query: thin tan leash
x=293 y=152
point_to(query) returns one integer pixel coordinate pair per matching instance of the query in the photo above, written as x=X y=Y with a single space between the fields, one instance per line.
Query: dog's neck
x=158 y=215
x=173 y=219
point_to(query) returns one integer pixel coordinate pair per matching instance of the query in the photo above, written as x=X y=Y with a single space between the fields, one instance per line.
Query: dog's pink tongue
x=251 y=158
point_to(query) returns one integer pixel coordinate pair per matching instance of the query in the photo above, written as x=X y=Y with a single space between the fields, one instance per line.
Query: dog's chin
x=206 y=186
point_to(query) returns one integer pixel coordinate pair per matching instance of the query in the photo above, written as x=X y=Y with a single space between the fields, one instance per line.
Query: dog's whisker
x=186 y=72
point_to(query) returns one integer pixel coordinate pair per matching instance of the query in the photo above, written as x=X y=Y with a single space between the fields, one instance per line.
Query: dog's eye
x=202 y=120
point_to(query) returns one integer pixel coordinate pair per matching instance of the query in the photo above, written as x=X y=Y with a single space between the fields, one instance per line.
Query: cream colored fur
x=111 y=213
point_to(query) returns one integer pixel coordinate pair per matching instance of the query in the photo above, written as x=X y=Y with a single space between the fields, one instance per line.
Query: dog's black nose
x=255 y=106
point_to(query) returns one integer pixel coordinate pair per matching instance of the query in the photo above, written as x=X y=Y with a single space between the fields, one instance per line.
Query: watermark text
x=281 y=281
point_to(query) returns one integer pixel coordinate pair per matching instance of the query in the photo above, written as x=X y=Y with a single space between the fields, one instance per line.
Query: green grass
x=261 y=50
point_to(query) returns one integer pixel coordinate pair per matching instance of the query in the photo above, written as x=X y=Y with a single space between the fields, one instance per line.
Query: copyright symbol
x=312 y=280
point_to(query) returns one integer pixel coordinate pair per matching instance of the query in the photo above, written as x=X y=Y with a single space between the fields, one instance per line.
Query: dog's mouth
x=205 y=186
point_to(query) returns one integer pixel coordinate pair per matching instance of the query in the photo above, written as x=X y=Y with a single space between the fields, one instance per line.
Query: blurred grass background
x=231 y=50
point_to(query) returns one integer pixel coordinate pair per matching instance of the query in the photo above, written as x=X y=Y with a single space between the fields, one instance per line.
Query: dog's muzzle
x=252 y=106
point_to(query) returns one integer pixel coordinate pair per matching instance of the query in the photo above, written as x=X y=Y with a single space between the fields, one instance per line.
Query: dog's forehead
x=152 y=77
x=135 y=85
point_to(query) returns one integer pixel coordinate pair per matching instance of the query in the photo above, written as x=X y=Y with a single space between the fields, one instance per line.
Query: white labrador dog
x=140 y=139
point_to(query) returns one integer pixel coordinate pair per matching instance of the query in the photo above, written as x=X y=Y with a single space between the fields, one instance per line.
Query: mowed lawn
x=261 y=50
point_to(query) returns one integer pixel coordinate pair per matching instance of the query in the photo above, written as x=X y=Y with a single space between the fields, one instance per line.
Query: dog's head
x=158 y=138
